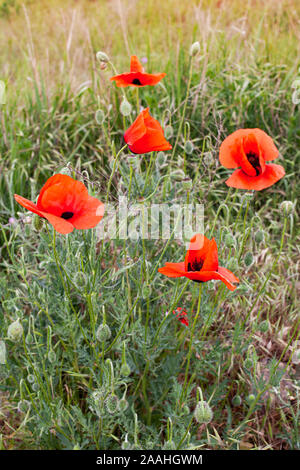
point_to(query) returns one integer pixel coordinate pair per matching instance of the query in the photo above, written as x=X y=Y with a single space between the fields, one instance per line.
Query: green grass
x=59 y=382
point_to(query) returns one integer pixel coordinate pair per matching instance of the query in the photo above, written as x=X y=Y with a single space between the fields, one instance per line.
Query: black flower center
x=196 y=265
x=254 y=161
x=136 y=81
x=67 y=215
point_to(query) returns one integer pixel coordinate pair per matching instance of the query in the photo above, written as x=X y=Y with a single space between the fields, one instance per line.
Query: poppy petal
x=28 y=205
x=271 y=175
x=173 y=270
x=204 y=276
x=135 y=65
x=60 y=225
x=90 y=216
x=230 y=147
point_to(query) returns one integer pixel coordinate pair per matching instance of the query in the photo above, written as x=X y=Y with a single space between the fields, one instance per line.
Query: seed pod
x=15 y=331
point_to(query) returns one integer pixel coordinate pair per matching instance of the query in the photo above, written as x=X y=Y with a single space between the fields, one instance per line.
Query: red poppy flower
x=137 y=76
x=146 y=135
x=181 y=315
x=66 y=204
x=201 y=264
x=250 y=149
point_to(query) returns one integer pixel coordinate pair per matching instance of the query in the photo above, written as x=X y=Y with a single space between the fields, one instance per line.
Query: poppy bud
x=287 y=207
x=2 y=352
x=112 y=404
x=126 y=444
x=30 y=378
x=208 y=158
x=76 y=447
x=169 y=445
x=264 y=326
x=123 y=405
x=187 y=184
x=248 y=260
x=178 y=175
x=229 y=240
x=188 y=147
x=250 y=398
x=203 y=413
x=97 y=402
x=51 y=356
x=23 y=406
x=195 y=49
x=146 y=291
x=248 y=363
x=161 y=159
x=169 y=132
x=103 y=332
x=237 y=400
x=102 y=57
x=259 y=236
x=99 y=116
x=15 y=331
x=125 y=108
x=37 y=222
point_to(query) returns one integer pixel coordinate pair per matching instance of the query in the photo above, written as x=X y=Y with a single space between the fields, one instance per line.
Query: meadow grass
x=99 y=364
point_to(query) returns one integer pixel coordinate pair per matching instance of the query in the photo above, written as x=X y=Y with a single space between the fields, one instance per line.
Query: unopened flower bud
x=102 y=57
x=250 y=398
x=76 y=447
x=146 y=291
x=125 y=108
x=123 y=405
x=126 y=444
x=259 y=236
x=287 y=207
x=161 y=158
x=169 y=132
x=169 y=445
x=187 y=184
x=112 y=404
x=264 y=326
x=24 y=406
x=37 y=222
x=15 y=331
x=51 y=356
x=248 y=363
x=195 y=48
x=99 y=116
x=188 y=147
x=237 y=400
x=208 y=158
x=203 y=413
x=229 y=240
x=248 y=259
x=65 y=171
x=103 y=333
x=125 y=370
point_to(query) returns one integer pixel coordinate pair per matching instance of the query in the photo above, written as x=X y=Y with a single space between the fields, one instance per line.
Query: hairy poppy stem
x=184 y=388
x=113 y=171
